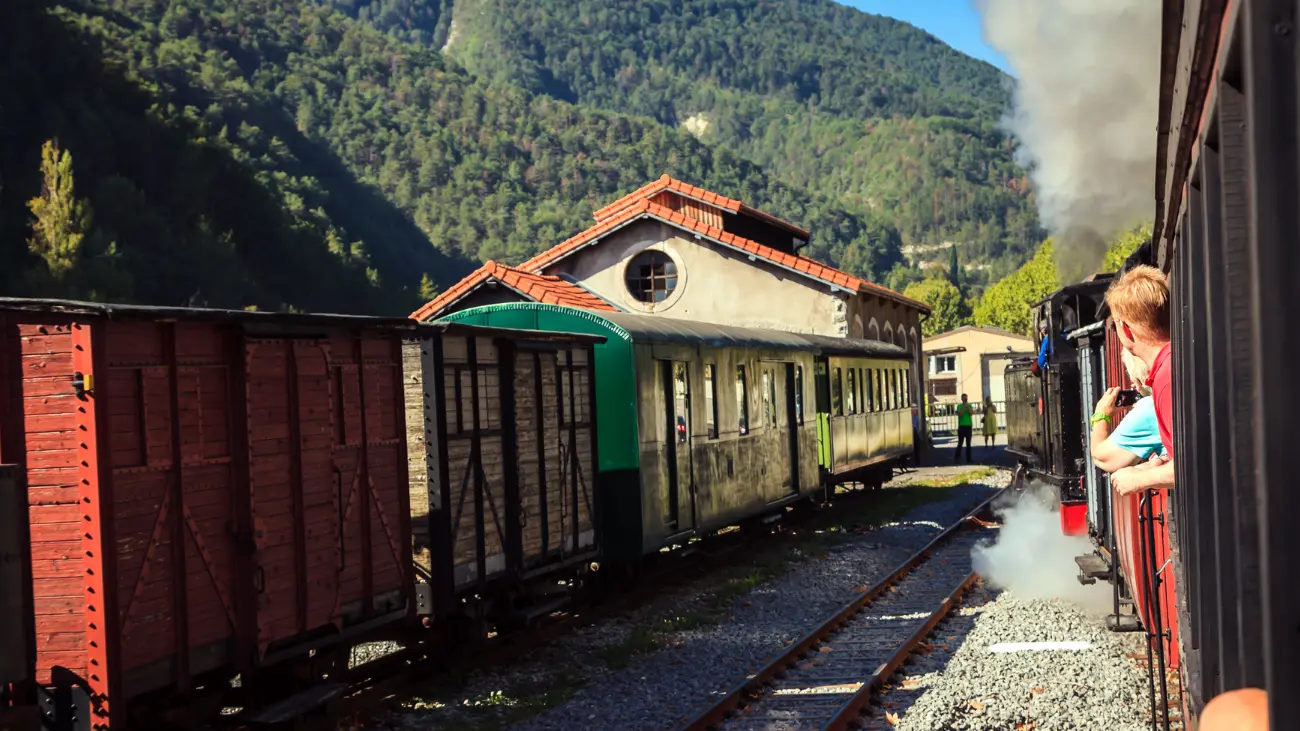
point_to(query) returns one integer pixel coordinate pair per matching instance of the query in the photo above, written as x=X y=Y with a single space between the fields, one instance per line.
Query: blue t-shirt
x=1138 y=432
x=1043 y=351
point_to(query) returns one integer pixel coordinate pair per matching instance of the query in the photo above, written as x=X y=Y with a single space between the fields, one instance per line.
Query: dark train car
x=16 y=626
x=501 y=428
x=1046 y=432
x=1225 y=231
x=703 y=426
x=210 y=493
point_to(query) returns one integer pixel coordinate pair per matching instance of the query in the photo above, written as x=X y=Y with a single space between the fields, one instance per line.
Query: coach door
x=679 y=505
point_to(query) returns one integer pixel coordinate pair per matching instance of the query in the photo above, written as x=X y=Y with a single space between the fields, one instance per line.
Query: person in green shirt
x=965 y=426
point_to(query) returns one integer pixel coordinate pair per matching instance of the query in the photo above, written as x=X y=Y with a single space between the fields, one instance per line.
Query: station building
x=672 y=249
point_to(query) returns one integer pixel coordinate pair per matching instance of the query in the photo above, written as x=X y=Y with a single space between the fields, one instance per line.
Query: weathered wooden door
x=679 y=506
x=552 y=416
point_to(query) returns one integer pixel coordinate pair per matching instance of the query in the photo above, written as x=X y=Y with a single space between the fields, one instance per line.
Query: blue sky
x=955 y=22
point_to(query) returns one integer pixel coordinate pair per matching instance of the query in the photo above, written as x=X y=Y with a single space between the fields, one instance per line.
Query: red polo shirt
x=1163 y=394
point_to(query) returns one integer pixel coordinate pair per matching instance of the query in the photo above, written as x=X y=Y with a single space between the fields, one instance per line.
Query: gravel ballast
x=961 y=683
x=605 y=686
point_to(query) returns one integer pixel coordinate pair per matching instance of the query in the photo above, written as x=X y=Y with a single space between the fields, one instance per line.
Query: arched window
x=873 y=330
x=856 y=330
x=651 y=276
x=889 y=332
x=902 y=338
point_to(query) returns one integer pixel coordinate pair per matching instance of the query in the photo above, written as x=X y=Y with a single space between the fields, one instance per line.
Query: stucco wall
x=977 y=343
x=714 y=284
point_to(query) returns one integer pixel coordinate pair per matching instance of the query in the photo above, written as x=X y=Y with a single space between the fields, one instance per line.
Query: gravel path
x=963 y=684
x=591 y=678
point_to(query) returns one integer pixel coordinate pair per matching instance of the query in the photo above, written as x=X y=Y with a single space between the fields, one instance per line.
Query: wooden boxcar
x=701 y=426
x=501 y=428
x=210 y=492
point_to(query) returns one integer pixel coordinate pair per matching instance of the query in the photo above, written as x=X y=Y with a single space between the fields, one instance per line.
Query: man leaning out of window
x=1137 y=436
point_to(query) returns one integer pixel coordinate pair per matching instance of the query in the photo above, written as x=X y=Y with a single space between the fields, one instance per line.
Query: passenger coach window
x=769 y=399
x=880 y=392
x=710 y=403
x=742 y=400
x=798 y=394
x=837 y=393
x=893 y=389
x=851 y=401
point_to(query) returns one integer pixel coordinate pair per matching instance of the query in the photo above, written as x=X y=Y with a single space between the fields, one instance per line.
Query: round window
x=651 y=276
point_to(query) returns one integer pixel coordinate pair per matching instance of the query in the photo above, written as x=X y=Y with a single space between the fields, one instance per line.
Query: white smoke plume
x=1085 y=111
x=1034 y=559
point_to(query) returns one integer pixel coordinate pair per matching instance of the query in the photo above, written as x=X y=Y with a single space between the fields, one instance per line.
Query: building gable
x=710 y=282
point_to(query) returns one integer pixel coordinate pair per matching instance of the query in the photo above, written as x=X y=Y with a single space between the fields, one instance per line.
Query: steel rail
x=752 y=687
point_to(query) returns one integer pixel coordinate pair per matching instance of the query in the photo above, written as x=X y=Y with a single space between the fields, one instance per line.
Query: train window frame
x=851 y=399
x=880 y=392
x=742 y=401
x=893 y=388
x=868 y=397
x=837 y=392
x=710 y=401
x=798 y=394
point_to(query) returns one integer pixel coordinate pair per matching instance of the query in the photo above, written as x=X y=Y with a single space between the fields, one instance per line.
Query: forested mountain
x=875 y=114
x=327 y=154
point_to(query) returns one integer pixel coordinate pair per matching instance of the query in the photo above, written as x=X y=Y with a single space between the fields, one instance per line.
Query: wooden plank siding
x=47 y=411
x=501 y=458
x=209 y=497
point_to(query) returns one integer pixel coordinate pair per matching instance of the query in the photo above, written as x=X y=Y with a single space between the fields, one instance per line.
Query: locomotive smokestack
x=1087 y=85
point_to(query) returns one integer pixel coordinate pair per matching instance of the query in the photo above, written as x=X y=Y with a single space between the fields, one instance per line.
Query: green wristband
x=1102 y=417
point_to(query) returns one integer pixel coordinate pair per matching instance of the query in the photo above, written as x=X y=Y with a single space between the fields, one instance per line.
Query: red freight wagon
x=210 y=492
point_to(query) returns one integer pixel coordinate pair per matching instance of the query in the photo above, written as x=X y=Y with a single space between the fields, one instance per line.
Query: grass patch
x=501 y=709
x=955 y=480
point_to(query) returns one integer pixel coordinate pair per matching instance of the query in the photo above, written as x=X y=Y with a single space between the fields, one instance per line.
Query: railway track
x=826 y=680
x=386 y=681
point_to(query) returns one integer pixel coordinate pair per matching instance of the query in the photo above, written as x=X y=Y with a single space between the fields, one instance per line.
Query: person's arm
x=1108 y=456
x=1042 y=353
x=1155 y=475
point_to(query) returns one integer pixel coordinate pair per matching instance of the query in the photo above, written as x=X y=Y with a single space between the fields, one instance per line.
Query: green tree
x=1124 y=246
x=428 y=290
x=1007 y=303
x=949 y=309
x=60 y=221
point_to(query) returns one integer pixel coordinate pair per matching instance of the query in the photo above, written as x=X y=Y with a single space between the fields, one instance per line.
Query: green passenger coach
x=701 y=426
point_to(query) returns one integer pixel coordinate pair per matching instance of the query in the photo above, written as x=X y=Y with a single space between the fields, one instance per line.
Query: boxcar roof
x=650 y=328
x=136 y=312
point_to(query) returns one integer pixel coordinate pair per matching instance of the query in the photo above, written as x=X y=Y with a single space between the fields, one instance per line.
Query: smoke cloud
x=1085 y=112
x=1033 y=558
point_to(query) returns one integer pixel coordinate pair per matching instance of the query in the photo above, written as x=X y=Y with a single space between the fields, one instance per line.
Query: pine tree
x=428 y=290
x=954 y=269
x=61 y=221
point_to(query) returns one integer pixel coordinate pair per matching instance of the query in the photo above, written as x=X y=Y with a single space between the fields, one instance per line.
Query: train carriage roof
x=650 y=328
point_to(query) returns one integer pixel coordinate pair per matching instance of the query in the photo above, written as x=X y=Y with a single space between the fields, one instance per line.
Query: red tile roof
x=665 y=182
x=539 y=287
x=644 y=208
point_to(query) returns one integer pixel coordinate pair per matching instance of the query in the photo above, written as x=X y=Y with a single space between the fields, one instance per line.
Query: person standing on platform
x=965 y=428
x=990 y=423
